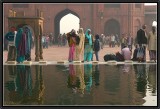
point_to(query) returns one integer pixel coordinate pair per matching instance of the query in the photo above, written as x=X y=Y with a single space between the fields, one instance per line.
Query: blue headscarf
x=18 y=37
x=29 y=39
x=88 y=36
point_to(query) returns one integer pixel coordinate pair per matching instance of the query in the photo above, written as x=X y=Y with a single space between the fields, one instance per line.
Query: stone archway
x=58 y=18
x=112 y=26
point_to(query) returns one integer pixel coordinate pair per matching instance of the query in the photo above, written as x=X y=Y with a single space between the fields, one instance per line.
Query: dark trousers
x=97 y=57
x=12 y=53
x=144 y=47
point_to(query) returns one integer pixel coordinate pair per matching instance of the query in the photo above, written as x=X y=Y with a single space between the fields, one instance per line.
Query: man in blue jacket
x=10 y=36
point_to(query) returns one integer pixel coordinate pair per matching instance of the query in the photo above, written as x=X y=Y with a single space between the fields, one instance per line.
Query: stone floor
x=55 y=53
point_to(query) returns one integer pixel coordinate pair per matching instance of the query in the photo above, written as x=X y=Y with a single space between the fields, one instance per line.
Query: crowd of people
x=83 y=45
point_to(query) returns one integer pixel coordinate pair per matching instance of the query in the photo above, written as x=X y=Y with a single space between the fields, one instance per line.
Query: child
x=96 y=47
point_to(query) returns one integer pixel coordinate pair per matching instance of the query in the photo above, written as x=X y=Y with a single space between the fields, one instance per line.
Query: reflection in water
x=152 y=78
x=83 y=84
x=21 y=88
x=126 y=68
x=96 y=74
x=88 y=76
x=140 y=71
x=73 y=80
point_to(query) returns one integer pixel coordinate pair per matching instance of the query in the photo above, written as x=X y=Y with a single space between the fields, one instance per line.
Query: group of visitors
x=82 y=45
x=142 y=40
x=20 y=44
x=47 y=40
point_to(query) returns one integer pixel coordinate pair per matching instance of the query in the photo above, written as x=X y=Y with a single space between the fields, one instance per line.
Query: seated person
x=126 y=53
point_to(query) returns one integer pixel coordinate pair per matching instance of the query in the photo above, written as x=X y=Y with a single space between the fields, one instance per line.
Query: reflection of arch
x=112 y=26
x=137 y=25
x=58 y=18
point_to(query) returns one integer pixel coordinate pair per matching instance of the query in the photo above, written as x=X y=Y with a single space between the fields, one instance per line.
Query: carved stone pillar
x=37 y=45
x=40 y=44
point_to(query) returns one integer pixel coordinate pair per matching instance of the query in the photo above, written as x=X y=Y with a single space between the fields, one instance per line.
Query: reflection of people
x=80 y=74
x=24 y=82
x=73 y=81
x=152 y=78
x=88 y=76
x=126 y=68
x=96 y=75
x=21 y=89
x=140 y=70
x=10 y=36
x=20 y=45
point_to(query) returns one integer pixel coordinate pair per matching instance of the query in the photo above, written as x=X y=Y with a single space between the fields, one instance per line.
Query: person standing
x=80 y=46
x=123 y=41
x=142 y=39
x=47 y=41
x=20 y=44
x=28 y=43
x=10 y=37
x=88 y=46
x=152 y=40
x=96 y=47
x=130 y=41
x=71 y=37
x=112 y=40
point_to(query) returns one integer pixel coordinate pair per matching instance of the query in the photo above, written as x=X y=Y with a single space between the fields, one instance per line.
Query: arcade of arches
x=124 y=18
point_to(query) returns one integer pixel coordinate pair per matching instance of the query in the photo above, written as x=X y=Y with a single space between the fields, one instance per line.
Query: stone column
x=37 y=44
x=40 y=43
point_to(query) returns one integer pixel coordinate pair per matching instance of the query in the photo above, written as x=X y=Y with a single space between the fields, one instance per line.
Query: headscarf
x=29 y=39
x=18 y=37
x=82 y=38
x=88 y=36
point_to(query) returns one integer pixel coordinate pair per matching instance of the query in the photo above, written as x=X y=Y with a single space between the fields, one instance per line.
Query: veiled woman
x=88 y=46
x=28 y=43
x=71 y=37
x=20 y=44
x=80 y=46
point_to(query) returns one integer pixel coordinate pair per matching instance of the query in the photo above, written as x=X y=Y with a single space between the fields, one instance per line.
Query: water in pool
x=84 y=84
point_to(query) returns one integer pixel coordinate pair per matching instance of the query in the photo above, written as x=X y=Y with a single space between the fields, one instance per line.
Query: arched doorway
x=58 y=18
x=112 y=27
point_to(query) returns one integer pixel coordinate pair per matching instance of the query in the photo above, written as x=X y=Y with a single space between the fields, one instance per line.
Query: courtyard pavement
x=55 y=53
